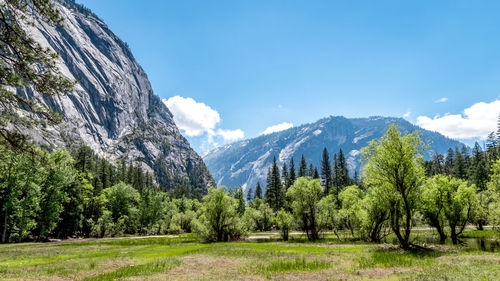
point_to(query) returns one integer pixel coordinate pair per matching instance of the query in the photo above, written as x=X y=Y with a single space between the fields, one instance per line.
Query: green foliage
x=351 y=214
x=24 y=63
x=285 y=221
x=326 y=171
x=305 y=195
x=275 y=193
x=494 y=193
x=393 y=166
x=259 y=216
x=218 y=220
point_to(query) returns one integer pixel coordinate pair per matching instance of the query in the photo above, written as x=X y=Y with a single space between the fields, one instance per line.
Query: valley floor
x=182 y=257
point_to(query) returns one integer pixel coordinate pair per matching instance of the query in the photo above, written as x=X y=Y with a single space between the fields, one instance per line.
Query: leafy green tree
x=151 y=205
x=57 y=177
x=393 y=165
x=305 y=195
x=351 y=213
x=260 y=216
x=494 y=194
x=24 y=63
x=376 y=216
x=122 y=201
x=20 y=181
x=432 y=204
x=218 y=220
x=326 y=171
x=460 y=201
x=285 y=221
x=329 y=217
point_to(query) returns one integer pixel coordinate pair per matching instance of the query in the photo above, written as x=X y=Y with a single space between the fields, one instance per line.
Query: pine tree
x=258 y=191
x=316 y=173
x=344 y=171
x=326 y=171
x=303 y=167
x=437 y=165
x=292 y=174
x=492 y=147
x=285 y=175
x=466 y=155
x=310 y=171
x=275 y=195
x=478 y=172
x=449 y=162
x=250 y=195
x=25 y=63
x=459 y=167
x=240 y=197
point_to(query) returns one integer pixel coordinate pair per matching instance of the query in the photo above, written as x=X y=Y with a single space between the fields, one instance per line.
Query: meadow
x=261 y=257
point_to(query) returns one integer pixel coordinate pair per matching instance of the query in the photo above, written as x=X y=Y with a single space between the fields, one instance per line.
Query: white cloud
x=407 y=114
x=194 y=118
x=231 y=135
x=277 y=128
x=197 y=119
x=477 y=121
x=441 y=100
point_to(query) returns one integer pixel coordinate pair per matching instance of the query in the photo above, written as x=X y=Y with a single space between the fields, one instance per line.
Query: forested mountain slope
x=246 y=162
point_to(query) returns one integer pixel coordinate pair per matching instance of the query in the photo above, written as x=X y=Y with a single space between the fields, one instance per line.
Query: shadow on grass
x=396 y=257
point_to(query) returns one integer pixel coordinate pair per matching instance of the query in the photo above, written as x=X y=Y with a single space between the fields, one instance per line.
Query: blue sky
x=249 y=65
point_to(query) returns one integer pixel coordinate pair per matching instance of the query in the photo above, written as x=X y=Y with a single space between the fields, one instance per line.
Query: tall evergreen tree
x=292 y=174
x=478 y=172
x=250 y=195
x=258 y=191
x=316 y=173
x=275 y=195
x=303 y=167
x=326 y=171
x=344 y=171
x=310 y=171
x=449 y=162
x=459 y=166
x=285 y=175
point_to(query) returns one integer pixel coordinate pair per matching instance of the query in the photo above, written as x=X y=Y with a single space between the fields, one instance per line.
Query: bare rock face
x=113 y=108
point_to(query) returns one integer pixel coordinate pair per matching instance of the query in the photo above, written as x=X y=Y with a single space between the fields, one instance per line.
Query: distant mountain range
x=246 y=162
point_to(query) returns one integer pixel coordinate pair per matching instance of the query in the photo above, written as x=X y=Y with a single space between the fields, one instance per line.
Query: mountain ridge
x=113 y=108
x=233 y=166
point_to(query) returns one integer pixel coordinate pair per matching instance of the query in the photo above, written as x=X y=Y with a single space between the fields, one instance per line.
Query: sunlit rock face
x=113 y=108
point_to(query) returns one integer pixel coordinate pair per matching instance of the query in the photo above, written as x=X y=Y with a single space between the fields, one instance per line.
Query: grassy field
x=183 y=257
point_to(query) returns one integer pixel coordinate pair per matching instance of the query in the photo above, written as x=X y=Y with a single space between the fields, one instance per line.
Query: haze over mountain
x=113 y=108
x=246 y=162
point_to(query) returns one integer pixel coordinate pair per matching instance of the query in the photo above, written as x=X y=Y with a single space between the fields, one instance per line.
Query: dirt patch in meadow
x=376 y=273
x=200 y=267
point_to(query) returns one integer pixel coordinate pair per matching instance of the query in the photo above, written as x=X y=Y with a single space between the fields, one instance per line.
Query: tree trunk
x=4 y=231
x=480 y=225
x=454 y=237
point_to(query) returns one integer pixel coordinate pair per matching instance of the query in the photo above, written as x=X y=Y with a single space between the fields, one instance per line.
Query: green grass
x=286 y=265
x=137 y=270
x=396 y=258
x=185 y=258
